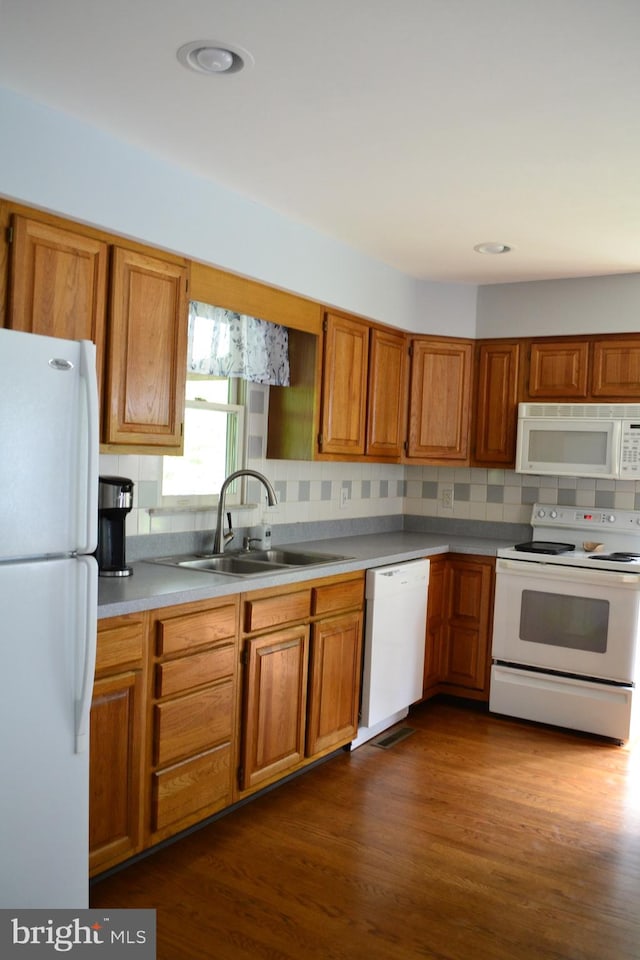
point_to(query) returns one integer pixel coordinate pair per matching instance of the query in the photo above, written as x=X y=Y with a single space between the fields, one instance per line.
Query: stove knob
x=611 y=518
x=543 y=513
x=553 y=514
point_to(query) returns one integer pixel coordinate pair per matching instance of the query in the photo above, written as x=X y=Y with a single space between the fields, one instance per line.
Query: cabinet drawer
x=192 y=723
x=196 y=630
x=266 y=612
x=120 y=643
x=202 y=783
x=194 y=671
x=337 y=596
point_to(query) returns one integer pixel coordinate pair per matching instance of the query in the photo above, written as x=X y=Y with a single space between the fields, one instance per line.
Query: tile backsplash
x=309 y=491
x=340 y=491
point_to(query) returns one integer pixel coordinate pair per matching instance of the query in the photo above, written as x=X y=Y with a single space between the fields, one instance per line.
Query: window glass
x=576 y=623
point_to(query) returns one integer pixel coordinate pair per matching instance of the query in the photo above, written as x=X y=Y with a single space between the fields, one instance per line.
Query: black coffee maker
x=115 y=499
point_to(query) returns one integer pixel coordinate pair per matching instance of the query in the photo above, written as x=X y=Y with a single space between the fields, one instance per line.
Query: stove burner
x=620 y=557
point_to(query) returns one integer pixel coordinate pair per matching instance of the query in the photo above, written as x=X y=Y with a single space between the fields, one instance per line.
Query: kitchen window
x=213 y=443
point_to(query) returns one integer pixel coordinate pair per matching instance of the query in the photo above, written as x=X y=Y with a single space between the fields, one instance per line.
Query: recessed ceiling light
x=213 y=57
x=492 y=247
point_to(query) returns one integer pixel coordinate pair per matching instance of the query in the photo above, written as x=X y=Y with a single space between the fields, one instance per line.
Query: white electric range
x=566 y=633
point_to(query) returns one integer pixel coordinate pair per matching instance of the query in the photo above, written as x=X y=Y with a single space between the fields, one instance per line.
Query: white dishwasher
x=395 y=626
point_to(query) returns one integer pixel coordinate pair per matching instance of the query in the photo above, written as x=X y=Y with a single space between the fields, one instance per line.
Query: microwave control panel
x=630 y=449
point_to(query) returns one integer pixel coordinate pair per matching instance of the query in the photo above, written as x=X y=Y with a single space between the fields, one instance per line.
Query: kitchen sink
x=253 y=563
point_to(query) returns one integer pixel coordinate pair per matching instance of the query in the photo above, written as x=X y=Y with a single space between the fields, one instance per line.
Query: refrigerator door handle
x=88 y=499
x=88 y=629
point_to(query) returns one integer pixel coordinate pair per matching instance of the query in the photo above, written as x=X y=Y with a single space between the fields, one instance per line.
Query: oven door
x=569 y=619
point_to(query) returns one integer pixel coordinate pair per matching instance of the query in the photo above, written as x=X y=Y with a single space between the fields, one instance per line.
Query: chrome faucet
x=221 y=539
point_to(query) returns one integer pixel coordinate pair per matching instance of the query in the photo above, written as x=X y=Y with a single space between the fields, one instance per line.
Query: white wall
x=550 y=307
x=51 y=160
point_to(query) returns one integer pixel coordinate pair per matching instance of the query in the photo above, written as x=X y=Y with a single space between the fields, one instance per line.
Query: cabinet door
x=616 y=369
x=387 y=402
x=114 y=779
x=436 y=626
x=496 y=411
x=334 y=683
x=470 y=602
x=58 y=283
x=439 y=400
x=344 y=386
x=146 y=359
x=559 y=369
x=275 y=699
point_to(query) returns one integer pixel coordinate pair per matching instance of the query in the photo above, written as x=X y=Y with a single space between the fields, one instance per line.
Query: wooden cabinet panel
x=275 y=704
x=198 y=785
x=344 y=388
x=115 y=828
x=334 y=687
x=58 y=283
x=559 y=369
x=193 y=722
x=261 y=613
x=120 y=643
x=616 y=369
x=343 y=595
x=186 y=632
x=436 y=625
x=199 y=669
x=496 y=410
x=468 y=640
x=146 y=361
x=387 y=394
x=439 y=400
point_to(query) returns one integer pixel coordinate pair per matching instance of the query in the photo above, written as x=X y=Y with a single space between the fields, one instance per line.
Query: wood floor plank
x=474 y=839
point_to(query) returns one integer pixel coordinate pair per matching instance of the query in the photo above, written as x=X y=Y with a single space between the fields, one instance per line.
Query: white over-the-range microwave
x=579 y=440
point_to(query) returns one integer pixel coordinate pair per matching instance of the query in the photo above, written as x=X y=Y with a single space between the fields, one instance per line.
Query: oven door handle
x=574 y=574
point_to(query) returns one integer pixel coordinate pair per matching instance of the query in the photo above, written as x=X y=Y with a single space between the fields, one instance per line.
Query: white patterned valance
x=227 y=344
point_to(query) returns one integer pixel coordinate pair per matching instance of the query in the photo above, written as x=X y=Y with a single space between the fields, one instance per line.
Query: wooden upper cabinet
x=344 y=387
x=387 y=394
x=146 y=359
x=496 y=409
x=559 y=369
x=58 y=283
x=616 y=368
x=439 y=399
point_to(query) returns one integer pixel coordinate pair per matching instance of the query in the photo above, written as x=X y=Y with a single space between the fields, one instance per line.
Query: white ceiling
x=411 y=129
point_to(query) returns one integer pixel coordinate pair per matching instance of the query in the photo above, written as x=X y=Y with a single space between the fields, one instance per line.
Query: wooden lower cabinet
x=275 y=705
x=183 y=724
x=334 y=674
x=117 y=742
x=192 y=714
x=301 y=685
x=459 y=623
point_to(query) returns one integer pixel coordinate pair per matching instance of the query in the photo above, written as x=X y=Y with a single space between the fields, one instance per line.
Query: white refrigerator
x=48 y=612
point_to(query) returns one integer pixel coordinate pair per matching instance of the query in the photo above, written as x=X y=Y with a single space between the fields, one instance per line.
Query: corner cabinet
x=459 y=625
x=147 y=351
x=495 y=415
x=439 y=400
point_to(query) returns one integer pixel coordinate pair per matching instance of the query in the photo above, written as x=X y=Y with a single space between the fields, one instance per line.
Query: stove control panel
x=580 y=518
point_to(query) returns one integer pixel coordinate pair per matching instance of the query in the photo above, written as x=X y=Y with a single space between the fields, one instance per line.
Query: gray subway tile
x=462 y=491
x=429 y=489
x=495 y=493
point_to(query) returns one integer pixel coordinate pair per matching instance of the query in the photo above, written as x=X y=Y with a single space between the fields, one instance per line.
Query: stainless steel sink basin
x=238 y=566
x=293 y=558
x=254 y=563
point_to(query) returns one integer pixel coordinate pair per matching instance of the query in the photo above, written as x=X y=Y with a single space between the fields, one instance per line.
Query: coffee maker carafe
x=115 y=499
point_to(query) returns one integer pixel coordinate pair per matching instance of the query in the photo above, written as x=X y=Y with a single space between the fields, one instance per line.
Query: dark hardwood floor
x=475 y=838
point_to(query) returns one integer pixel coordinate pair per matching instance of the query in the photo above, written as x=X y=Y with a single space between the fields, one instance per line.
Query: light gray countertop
x=155 y=585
